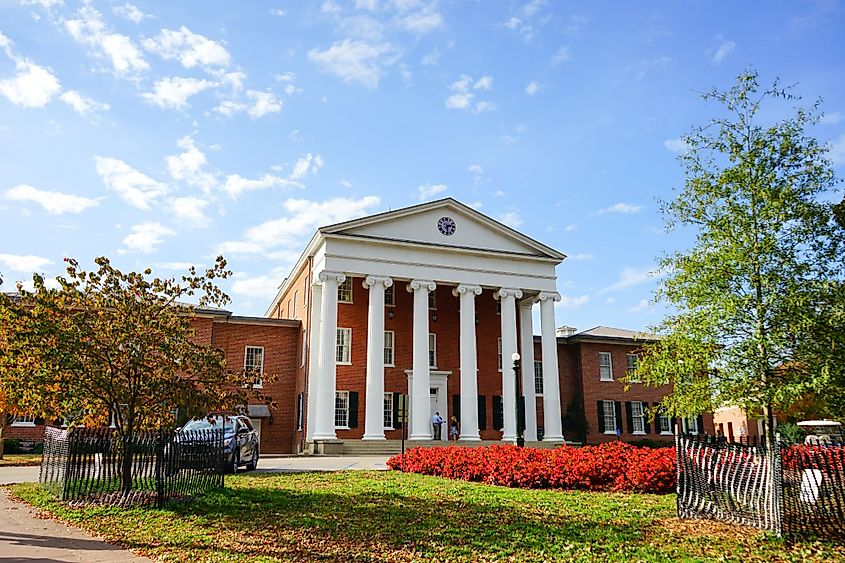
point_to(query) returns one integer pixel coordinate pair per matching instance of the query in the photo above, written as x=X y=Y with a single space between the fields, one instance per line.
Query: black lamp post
x=520 y=431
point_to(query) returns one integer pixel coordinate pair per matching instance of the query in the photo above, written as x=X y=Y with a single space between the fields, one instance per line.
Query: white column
x=552 y=428
x=469 y=363
x=313 y=358
x=374 y=421
x=526 y=328
x=324 y=415
x=420 y=421
x=508 y=296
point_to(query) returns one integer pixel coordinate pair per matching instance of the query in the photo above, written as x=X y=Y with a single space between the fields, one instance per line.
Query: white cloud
x=303 y=217
x=189 y=166
x=628 y=278
x=532 y=88
x=306 y=164
x=145 y=237
x=174 y=265
x=624 y=208
x=571 y=227
x=329 y=7
x=428 y=191
x=278 y=12
x=641 y=69
x=572 y=302
x=189 y=48
x=837 y=151
x=88 y=28
x=82 y=104
x=831 y=118
x=134 y=187
x=678 y=146
x=355 y=61
x=32 y=86
x=724 y=49
x=236 y=184
x=261 y=287
x=130 y=12
x=642 y=305
x=499 y=193
x=422 y=21
x=263 y=103
x=190 y=210
x=55 y=203
x=561 y=56
x=23 y=263
x=370 y=5
x=510 y=218
x=173 y=92
x=463 y=94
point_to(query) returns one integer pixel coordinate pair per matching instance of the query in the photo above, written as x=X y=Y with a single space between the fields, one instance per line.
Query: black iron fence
x=785 y=488
x=85 y=465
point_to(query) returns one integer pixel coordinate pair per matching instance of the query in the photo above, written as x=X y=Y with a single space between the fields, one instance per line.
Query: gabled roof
x=610 y=333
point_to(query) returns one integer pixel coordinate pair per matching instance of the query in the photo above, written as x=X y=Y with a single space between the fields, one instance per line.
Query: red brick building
x=423 y=310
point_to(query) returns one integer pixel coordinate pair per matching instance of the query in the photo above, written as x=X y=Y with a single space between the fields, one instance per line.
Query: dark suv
x=240 y=440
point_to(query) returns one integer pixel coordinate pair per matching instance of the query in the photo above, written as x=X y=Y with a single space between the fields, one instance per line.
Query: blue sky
x=162 y=133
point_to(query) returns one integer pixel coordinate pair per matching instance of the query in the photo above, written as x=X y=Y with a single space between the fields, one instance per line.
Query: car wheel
x=254 y=463
x=236 y=461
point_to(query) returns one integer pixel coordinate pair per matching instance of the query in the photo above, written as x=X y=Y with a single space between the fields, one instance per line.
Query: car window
x=246 y=422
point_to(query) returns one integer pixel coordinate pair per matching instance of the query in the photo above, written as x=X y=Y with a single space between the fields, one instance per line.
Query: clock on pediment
x=446 y=226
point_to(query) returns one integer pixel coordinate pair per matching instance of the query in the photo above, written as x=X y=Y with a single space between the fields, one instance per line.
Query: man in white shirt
x=437 y=424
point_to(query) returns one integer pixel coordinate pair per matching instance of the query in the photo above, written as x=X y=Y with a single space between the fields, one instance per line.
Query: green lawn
x=18 y=460
x=389 y=516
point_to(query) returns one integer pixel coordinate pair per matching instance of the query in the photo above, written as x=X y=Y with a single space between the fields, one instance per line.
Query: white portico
x=442 y=244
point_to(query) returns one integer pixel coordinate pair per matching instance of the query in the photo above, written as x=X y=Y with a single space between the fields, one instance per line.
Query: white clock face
x=446 y=226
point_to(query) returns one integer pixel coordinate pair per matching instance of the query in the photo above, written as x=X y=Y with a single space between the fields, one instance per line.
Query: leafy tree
x=106 y=342
x=757 y=300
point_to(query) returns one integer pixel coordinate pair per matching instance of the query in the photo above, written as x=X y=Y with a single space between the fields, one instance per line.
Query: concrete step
x=393 y=447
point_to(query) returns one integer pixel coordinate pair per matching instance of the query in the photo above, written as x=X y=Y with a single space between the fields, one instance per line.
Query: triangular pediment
x=443 y=223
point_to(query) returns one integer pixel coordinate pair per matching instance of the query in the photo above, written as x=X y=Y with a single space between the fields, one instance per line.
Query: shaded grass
x=390 y=516
x=20 y=460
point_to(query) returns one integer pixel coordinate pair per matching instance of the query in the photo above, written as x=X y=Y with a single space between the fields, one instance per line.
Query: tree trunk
x=126 y=469
x=2 y=431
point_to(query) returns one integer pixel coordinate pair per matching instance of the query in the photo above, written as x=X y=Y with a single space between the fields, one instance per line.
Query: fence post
x=677 y=471
x=159 y=449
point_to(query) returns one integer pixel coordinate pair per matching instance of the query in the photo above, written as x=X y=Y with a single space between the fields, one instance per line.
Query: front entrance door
x=256 y=423
x=435 y=407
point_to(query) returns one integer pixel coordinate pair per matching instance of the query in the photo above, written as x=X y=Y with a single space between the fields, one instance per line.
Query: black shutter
x=396 y=422
x=498 y=413
x=520 y=415
x=618 y=408
x=482 y=412
x=39 y=421
x=645 y=418
x=353 y=409
x=456 y=407
x=701 y=424
x=600 y=410
x=629 y=416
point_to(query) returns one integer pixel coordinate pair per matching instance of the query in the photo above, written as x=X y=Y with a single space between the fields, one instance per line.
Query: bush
x=609 y=467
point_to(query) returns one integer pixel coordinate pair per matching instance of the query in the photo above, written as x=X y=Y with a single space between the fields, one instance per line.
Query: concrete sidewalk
x=26 y=538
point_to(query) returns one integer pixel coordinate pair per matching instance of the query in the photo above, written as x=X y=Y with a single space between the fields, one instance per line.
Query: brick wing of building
x=391 y=318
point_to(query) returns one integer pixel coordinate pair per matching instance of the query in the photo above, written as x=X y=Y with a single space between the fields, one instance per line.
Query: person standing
x=436 y=424
x=454 y=429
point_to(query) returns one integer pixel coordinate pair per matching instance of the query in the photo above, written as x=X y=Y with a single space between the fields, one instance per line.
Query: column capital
x=327 y=275
x=547 y=295
x=426 y=285
x=466 y=288
x=370 y=281
x=508 y=292
x=528 y=302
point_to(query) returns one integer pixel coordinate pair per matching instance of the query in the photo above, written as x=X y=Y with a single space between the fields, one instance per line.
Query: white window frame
x=388 y=411
x=23 y=421
x=633 y=366
x=499 y=352
x=613 y=422
x=661 y=417
x=259 y=384
x=293 y=301
x=300 y=400
x=304 y=349
x=341 y=410
x=389 y=349
x=691 y=424
x=637 y=417
x=432 y=300
x=341 y=358
x=608 y=367
x=343 y=290
x=432 y=350
x=391 y=293
x=538 y=378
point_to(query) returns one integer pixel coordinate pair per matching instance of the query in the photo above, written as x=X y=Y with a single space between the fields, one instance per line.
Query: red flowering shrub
x=812 y=456
x=609 y=467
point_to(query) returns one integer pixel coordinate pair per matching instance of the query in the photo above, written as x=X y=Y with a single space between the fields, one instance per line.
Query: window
x=305 y=291
x=637 y=417
x=304 y=349
x=498 y=306
x=432 y=350
x=344 y=345
x=341 y=409
x=23 y=420
x=254 y=363
x=432 y=300
x=390 y=296
x=664 y=423
x=388 y=348
x=538 y=377
x=609 y=417
x=499 y=353
x=633 y=376
x=388 y=411
x=344 y=291
x=605 y=366
x=300 y=405
x=692 y=425
x=293 y=302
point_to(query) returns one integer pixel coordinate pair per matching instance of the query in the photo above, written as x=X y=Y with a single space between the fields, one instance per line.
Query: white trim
x=609 y=366
x=334 y=417
x=432 y=350
x=23 y=423
x=348 y=280
x=260 y=384
x=348 y=347
x=392 y=348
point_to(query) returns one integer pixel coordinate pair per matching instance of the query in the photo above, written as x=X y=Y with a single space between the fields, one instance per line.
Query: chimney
x=565 y=331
